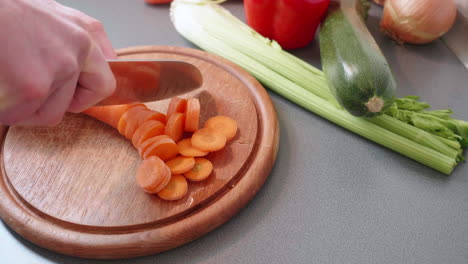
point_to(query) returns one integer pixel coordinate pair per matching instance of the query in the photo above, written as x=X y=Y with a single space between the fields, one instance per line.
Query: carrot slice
x=164 y=148
x=200 y=171
x=186 y=149
x=158 y=116
x=109 y=114
x=192 y=115
x=153 y=175
x=208 y=139
x=147 y=130
x=176 y=105
x=134 y=121
x=175 y=189
x=175 y=126
x=180 y=164
x=127 y=116
x=139 y=118
x=147 y=143
x=223 y=124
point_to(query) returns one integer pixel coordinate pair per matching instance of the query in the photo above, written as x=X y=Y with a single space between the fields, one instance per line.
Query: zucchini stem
x=375 y=104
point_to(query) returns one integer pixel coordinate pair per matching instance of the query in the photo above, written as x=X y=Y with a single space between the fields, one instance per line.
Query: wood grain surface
x=72 y=188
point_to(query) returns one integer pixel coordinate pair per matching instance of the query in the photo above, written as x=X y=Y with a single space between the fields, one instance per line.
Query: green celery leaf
x=409 y=103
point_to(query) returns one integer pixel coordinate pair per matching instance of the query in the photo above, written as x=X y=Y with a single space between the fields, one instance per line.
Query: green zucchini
x=356 y=70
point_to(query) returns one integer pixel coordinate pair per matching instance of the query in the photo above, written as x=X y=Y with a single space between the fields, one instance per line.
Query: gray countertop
x=332 y=197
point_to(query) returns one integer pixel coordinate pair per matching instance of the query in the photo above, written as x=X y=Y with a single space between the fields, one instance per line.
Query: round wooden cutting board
x=72 y=188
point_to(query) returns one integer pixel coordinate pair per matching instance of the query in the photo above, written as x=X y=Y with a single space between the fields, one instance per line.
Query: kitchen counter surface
x=332 y=197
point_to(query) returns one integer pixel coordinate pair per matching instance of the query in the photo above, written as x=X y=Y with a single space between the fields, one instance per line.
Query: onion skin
x=417 y=21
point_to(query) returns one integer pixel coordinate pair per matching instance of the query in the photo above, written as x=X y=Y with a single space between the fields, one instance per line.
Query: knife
x=151 y=80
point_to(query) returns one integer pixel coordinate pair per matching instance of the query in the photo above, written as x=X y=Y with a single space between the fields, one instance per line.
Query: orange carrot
x=186 y=149
x=175 y=126
x=200 y=171
x=139 y=118
x=175 y=189
x=134 y=121
x=164 y=147
x=207 y=139
x=223 y=124
x=192 y=115
x=127 y=116
x=109 y=114
x=147 y=143
x=158 y=116
x=153 y=175
x=147 y=130
x=180 y=164
x=176 y=105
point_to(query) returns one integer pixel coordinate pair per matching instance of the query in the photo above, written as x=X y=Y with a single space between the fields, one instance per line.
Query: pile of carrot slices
x=173 y=146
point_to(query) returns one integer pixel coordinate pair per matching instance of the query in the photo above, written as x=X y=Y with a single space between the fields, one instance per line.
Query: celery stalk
x=415 y=134
x=203 y=23
x=451 y=143
x=251 y=43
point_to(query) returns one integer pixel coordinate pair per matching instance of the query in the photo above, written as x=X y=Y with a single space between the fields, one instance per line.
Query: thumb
x=96 y=82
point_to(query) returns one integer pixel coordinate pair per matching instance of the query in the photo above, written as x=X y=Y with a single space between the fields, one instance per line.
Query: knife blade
x=151 y=80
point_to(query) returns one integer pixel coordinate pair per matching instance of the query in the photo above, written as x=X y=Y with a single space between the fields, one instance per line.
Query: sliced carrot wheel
x=158 y=116
x=109 y=114
x=164 y=148
x=176 y=105
x=223 y=124
x=147 y=130
x=139 y=118
x=200 y=171
x=192 y=115
x=175 y=126
x=153 y=175
x=180 y=164
x=147 y=143
x=207 y=139
x=129 y=115
x=186 y=149
x=175 y=189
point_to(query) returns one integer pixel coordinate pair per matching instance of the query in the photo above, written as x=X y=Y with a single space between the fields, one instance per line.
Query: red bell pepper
x=292 y=23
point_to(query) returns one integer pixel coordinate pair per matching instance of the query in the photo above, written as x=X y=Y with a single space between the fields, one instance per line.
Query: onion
x=417 y=21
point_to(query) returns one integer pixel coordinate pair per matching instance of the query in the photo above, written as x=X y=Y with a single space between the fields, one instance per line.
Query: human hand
x=52 y=61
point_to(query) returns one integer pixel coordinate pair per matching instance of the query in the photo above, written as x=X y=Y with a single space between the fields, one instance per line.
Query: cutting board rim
x=96 y=245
